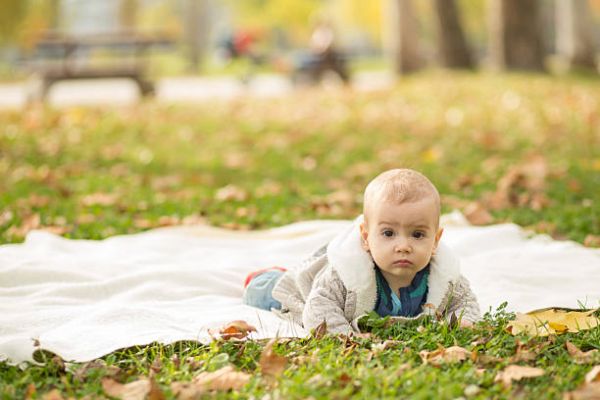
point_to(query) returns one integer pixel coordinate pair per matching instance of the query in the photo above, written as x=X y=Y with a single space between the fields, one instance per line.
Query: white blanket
x=83 y=299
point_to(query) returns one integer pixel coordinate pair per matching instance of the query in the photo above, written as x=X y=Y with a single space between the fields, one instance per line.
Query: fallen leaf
x=225 y=378
x=99 y=199
x=552 y=321
x=236 y=330
x=136 y=390
x=54 y=394
x=522 y=185
x=454 y=354
x=592 y=241
x=320 y=330
x=230 y=193
x=581 y=357
x=593 y=375
x=516 y=373
x=271 y=364
x=29 y=223
x=589 y=391
x=477 y=214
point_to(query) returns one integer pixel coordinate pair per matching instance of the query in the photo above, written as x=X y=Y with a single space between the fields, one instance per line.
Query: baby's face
x=402 y=238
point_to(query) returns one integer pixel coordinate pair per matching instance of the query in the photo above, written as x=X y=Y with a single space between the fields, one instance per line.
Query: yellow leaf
x=551 y=321
x=516 y=373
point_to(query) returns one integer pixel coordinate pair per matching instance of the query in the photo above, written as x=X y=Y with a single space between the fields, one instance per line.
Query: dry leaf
x=320 y=330
x=225 y=378
x=54 y=394
x=231 y=192
x=137 y=390
x=552 y=321
x=589 y=391
x=477 y=214
x=99 y=199
x=593 y=375
x=454 y=354
x=516 y=373
x=579 y=356
x=523 y=185
x=29 y=223
x=270 y=363
x=592 y=241
x=236 y=330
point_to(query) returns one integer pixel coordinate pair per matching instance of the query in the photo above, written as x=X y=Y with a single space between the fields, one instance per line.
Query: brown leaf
x=477 y=214
x=99 y=199
x=320 y=330
x=230 y=193
x=592 y=241
x=136 y=390
x=593 y=375
x=225 y=378
x=453 y=354
x=236 y=330
x=589 y=391
x=516 y=373
x=522 y=185
x=29 y=223
x=271 y=364
x=54 y=394
x=30 y=392
x=581 y=357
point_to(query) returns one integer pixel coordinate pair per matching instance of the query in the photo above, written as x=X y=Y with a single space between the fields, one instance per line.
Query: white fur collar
x=356 y=269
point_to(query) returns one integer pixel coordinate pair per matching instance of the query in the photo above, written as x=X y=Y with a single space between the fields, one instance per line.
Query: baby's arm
x=326 y=302
x=462 y=302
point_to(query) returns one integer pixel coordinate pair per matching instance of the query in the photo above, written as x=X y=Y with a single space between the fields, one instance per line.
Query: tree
x=574 y=33
x=453 y=48
x=128 y=10
x=515 y=35
x=196 y=32
x=11 y=17
x=403 y=37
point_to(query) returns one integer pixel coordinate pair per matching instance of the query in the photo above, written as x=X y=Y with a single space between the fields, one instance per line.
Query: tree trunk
x=515 y=35
x=196 y=31
x=128 y=14
x=574 y=38
x=406 y=51
x=54 y=16
x=453 y=49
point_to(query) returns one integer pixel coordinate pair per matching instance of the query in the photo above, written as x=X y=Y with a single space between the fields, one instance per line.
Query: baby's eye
x=418 y=234
x=387 y=233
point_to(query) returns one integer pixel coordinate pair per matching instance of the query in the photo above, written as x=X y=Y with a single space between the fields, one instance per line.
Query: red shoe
x=254 y=274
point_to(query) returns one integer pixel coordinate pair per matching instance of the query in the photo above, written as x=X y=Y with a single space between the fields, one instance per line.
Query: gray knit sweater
x=339 y=286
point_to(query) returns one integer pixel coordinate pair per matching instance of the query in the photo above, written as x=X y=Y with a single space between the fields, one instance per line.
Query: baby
x=391 y=261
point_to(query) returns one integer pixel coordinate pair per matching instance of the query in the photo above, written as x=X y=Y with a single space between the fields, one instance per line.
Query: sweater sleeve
x=327 y=302
x=461 y=301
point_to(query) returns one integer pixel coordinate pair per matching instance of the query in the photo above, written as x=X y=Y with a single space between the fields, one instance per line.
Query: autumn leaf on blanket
x=516 y=373
x=549 y=321
x=236 y=330
x=451 y=355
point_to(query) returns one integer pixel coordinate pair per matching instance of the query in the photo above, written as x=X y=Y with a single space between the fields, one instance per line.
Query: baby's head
x=401 y=223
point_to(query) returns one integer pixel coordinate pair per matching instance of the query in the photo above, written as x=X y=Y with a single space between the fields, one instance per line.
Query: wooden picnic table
x=60 y=57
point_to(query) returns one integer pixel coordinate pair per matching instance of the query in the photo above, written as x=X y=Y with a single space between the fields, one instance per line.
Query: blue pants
x=259 y=292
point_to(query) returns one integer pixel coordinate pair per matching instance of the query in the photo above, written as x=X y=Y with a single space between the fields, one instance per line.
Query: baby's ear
x=438 y=236
x=364 y=236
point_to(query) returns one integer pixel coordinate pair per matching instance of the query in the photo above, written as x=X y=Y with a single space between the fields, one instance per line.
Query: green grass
x=303 y=157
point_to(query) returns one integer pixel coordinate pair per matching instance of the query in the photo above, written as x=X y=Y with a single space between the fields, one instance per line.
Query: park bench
x=60 y=57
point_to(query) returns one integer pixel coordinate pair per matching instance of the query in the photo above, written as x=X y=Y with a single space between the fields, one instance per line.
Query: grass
x=94 y=173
